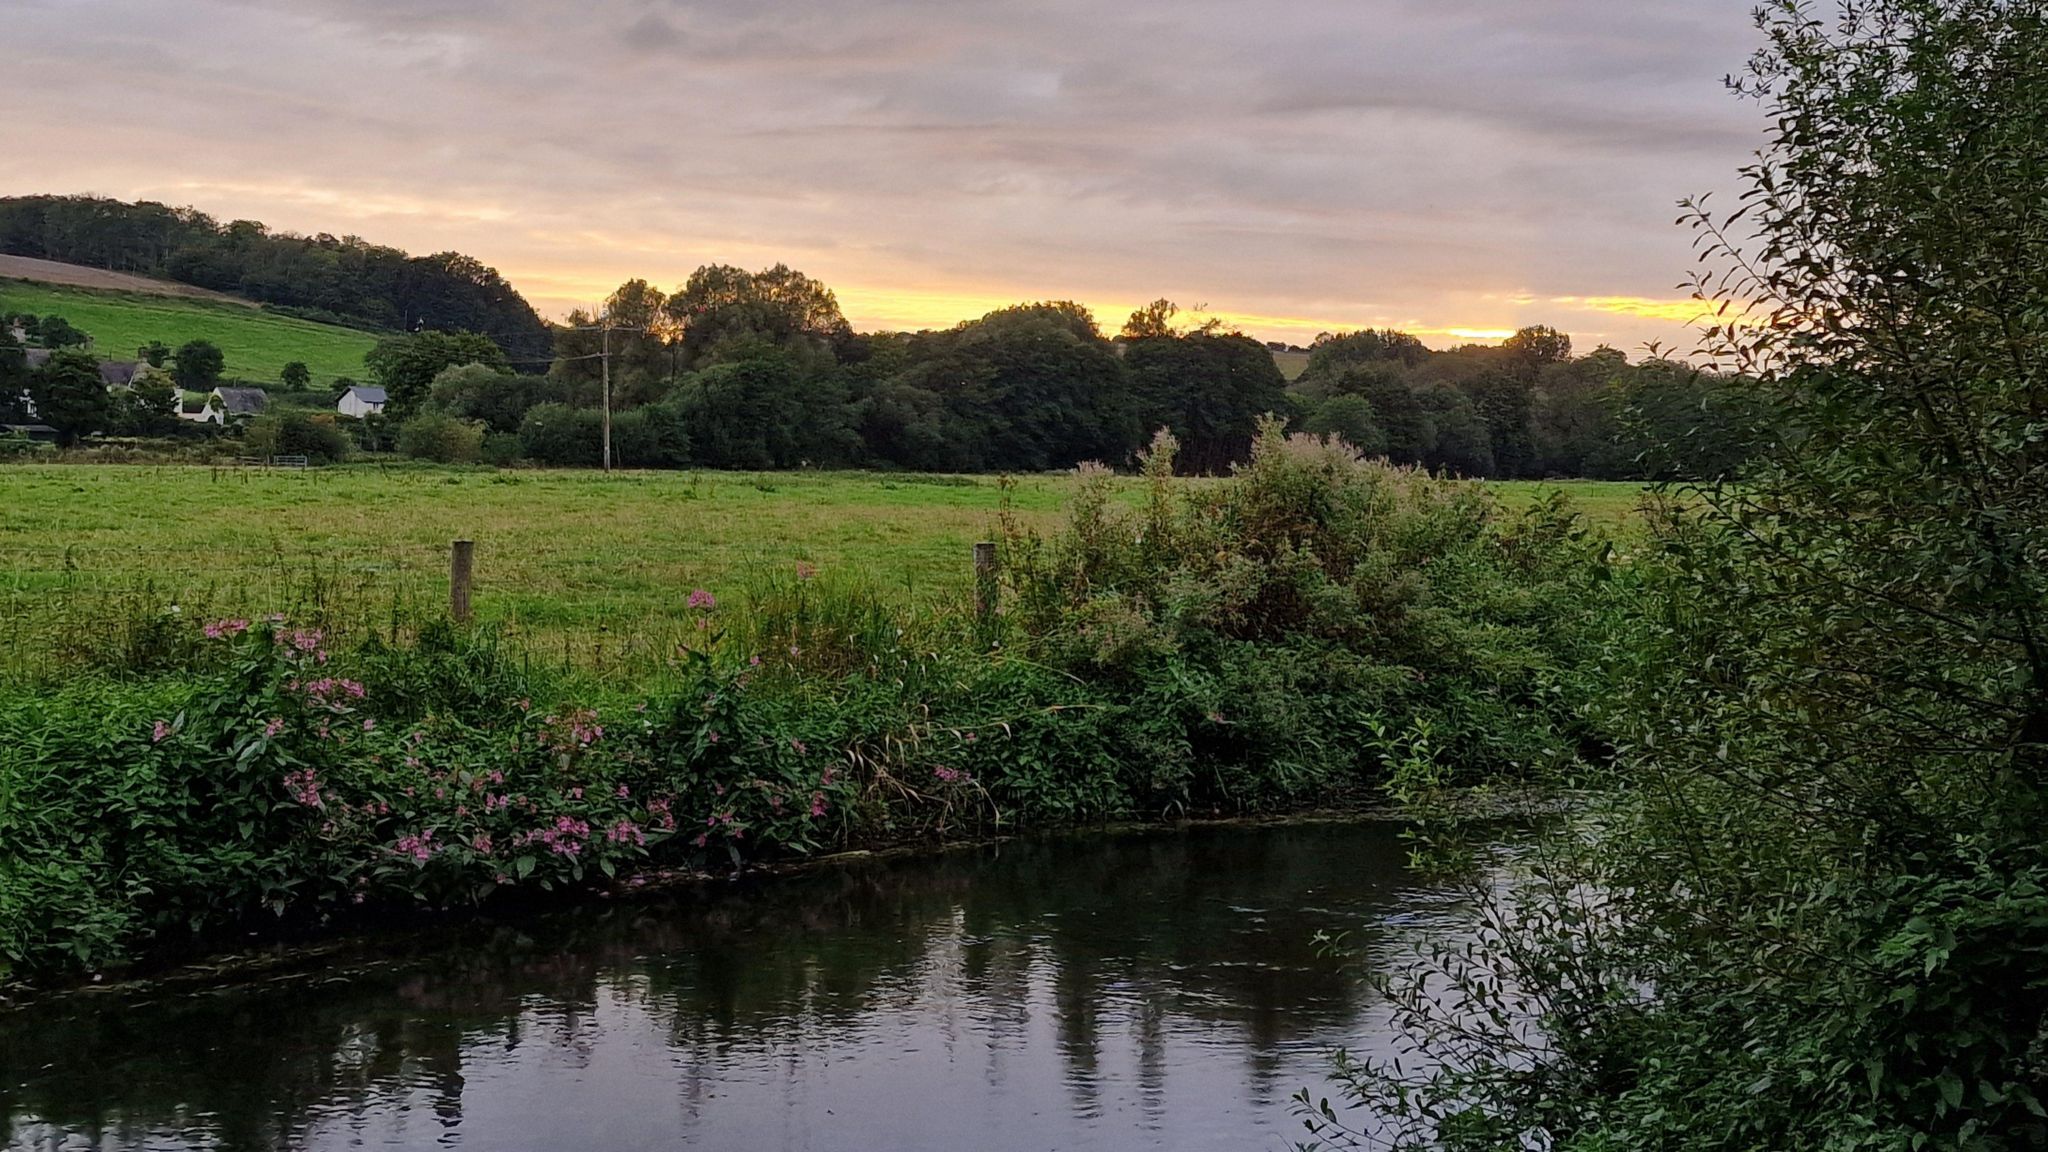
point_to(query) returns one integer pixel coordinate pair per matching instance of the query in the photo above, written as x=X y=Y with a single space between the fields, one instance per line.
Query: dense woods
x=343 y=279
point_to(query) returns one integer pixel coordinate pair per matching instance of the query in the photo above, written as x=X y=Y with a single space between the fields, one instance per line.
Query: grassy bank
x=256 y=344
x=1307 y=630
x=575 y=569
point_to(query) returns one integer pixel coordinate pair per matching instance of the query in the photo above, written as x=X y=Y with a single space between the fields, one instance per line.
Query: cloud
x=1339 y=162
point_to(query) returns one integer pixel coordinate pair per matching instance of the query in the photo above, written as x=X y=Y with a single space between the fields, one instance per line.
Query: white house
x=361 y=400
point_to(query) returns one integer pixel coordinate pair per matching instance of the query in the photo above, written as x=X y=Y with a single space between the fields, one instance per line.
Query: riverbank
x=1308 y=631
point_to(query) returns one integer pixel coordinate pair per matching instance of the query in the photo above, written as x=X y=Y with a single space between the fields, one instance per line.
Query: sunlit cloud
x=1326 y=167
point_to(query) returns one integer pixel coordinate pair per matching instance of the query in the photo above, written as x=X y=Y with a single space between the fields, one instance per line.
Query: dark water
x=1157 y=990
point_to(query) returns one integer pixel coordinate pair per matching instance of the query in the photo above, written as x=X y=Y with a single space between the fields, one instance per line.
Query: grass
x=257 y=344
x=1291 y=364
x=589 y=570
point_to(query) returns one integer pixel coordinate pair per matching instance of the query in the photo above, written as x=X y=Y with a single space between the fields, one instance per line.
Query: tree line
x=761 y=370
x=342 y=279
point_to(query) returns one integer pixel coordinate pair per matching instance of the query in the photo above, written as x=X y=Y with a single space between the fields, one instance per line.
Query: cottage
x=223 y=404
x=239 y=403
x=120 y=373
x=41 y=433
x=361 y=400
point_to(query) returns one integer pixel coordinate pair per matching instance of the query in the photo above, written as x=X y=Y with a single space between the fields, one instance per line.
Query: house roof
x=36 y=356
x=242 y=401
x=368 y=394
x=118 y=373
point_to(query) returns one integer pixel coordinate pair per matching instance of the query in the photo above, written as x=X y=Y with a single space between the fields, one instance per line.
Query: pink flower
x=702 y=599
x=624 y=831
x=624 y=792
x=369 y=725
x=419 y=846
x=798 y=746
x=304 y=787
x=795 y=651
x=805 y=571
x=275 y=726
x=158 y=733
x=754 y=661
x=481 y=842
x=948 y=775
x=817 y=803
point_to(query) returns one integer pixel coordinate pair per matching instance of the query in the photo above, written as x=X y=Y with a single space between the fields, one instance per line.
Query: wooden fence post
x=459 y=557
x=985 y=591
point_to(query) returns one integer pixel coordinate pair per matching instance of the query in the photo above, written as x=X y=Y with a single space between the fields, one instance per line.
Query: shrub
x=561 y=436
x=296 y=433
x=441 y=438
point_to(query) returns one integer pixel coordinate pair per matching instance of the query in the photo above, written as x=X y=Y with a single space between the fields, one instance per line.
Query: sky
x=1456 y=168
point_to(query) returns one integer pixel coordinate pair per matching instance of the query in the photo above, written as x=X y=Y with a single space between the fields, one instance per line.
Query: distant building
x=223 y=404
x=38 y=432
x=120 y=373
x=361 y=400
x=240 y=403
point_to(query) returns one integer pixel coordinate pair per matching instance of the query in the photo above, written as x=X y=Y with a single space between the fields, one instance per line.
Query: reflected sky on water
x=1150 y=990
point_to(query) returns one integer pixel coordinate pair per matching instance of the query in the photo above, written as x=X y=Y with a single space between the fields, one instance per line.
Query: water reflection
x=1155 y=990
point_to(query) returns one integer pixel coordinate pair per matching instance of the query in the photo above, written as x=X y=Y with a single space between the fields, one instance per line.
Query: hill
x=82 y=276
x=257 y=344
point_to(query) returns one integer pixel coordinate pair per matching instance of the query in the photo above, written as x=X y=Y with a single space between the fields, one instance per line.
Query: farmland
x=257 y=344
x=574 y=565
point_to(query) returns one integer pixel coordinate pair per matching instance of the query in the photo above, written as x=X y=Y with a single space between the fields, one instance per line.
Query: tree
x=295 y=376
x=722 y=304
x=761 y=409
x=441 y=438
x=154 y=353
x=69 y=395
x=1209 y=391
x=1538 y=345
x=56 y=332
x=405 y=366
x=293 y=432
x=1350 y=419
x=15 y=380
x=499 y=399
x=1032 y=388
x=198 y=366
x=1152 y=322
x=1817 y=877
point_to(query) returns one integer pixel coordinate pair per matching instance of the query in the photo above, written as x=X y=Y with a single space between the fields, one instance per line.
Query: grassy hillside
x=1291 y=364
x=257 y=344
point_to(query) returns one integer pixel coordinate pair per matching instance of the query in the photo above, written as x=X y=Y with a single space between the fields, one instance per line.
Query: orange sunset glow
x=1324 y=168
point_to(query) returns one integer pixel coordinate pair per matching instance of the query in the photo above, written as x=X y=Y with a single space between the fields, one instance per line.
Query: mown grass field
x=575 y=566
x=257 y=344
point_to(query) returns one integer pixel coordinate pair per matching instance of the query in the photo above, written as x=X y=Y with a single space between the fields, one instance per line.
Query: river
x=1144 y=990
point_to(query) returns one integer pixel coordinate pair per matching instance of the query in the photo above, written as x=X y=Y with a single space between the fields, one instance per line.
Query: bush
x=441 y=438
x=295 y=433
x=502 y=449
x=563 y=437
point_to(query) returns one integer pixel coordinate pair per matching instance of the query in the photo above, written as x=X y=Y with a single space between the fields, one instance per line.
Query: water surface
x=1151 y=990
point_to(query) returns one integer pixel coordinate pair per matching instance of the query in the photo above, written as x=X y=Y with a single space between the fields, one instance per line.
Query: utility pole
x=607 y=361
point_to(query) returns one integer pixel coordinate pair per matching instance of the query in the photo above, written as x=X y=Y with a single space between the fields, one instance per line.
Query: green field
x=574 y=565
x=257 y=344
x=1291 y=364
